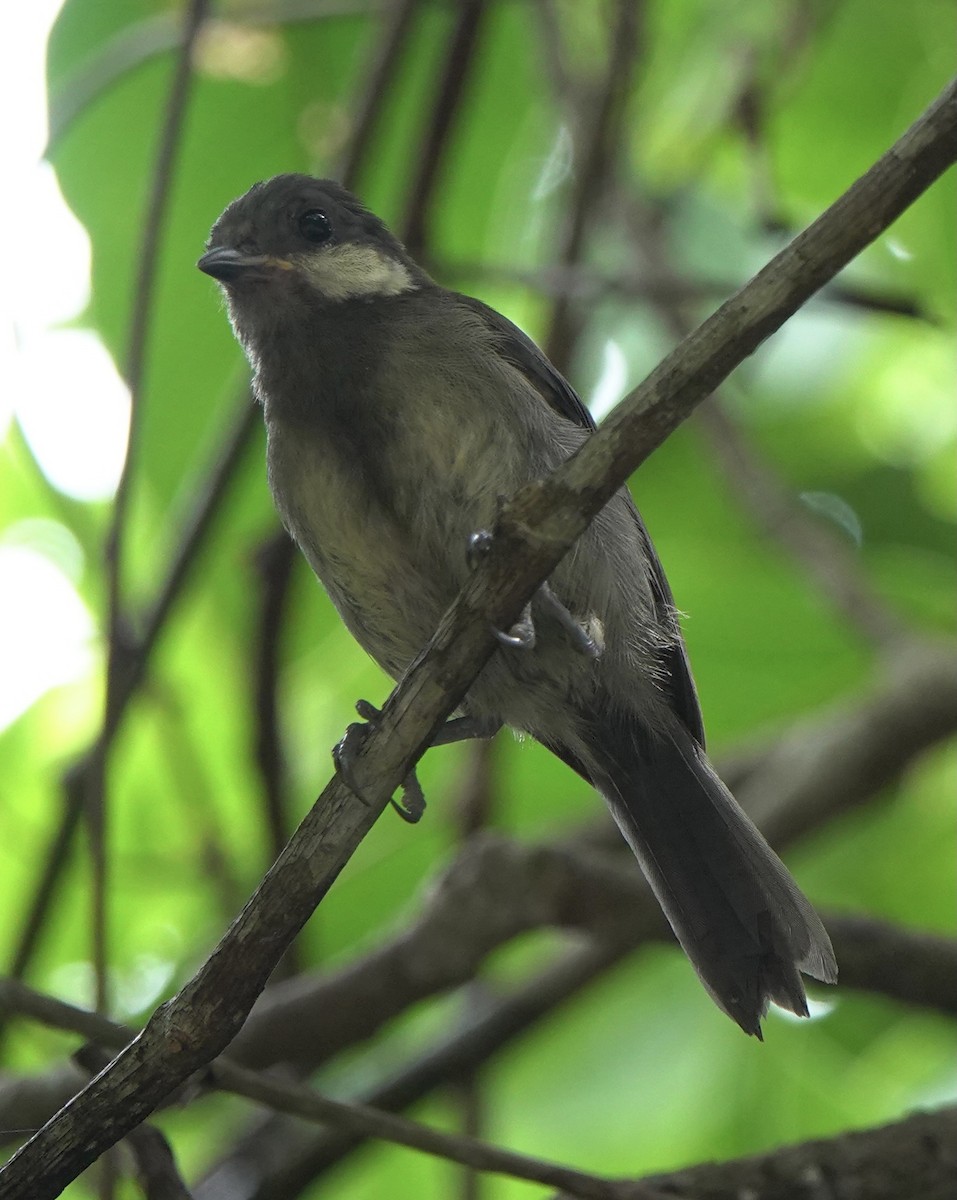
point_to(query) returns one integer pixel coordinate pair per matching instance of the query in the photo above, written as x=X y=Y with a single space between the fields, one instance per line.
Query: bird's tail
x=740 y=917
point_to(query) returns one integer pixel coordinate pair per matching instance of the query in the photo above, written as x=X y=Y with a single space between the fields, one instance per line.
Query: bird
x=398 y=416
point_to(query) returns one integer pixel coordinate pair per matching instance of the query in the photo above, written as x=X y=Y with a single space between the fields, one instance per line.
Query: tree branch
x=308 y=1104
x=913 y=1149
x=913 y=1159
x=820 y=555
x=495 y=891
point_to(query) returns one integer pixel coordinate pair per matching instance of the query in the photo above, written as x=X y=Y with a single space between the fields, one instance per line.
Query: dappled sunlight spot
x=74 y=411
x=612 y=381
x=133 y=988
x=52 y=540
x=907 y=414
x=324 y=129
x=8 y=350
x=817 y=1010
x=46 y=268
x=897 y=249
x=73 y=982
x=142 y=984
x=46 y=632
x=225 y=50
x=557 y=167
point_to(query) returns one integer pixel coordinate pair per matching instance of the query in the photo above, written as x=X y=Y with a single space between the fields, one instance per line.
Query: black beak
x=226 y=264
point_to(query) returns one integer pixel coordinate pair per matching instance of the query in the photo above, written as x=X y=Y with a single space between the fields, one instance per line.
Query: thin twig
x=118 y=638
x=209 y=497
x=301 y=1101
x=583 y=284
x=144 y=40
x=273 y=565
x=451 y=88
x=298 y=1100
x=492 y=1024
x=598 y=126
x=201 y=512
x=380 y=74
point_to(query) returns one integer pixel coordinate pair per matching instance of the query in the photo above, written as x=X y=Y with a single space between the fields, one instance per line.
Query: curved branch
x=913 y=1159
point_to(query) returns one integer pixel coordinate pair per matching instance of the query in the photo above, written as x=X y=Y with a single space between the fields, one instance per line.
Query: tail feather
x=739 y=916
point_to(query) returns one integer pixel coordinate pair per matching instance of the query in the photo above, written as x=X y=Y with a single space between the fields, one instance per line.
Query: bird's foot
x=522 y=636
x=581 y=639
x=346 y=751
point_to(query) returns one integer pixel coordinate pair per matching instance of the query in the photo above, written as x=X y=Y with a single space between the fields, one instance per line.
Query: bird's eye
x=315 y=226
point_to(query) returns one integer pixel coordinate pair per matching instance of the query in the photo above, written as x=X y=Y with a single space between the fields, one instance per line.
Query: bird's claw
x=522 y=636
x=346 y=751
x=412 y=806
x=583 y=642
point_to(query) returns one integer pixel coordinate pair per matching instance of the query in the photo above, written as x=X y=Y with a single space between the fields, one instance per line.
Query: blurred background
x=172 y=678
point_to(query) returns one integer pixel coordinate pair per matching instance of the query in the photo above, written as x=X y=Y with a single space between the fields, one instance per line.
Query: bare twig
x=144 y=40
x=913 y=967
x=273 y=564
x=301 y=1101
x=210 y=495
x=451 y=90
x=380 y=76
x=598 y=121
x=492 y=1024
x=118 y=638
x=583 y=283
x=206 y=503
x=831 y=763
x=306 y=1103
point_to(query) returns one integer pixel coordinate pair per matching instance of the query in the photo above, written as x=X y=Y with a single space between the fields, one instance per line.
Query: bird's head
x=294 y=238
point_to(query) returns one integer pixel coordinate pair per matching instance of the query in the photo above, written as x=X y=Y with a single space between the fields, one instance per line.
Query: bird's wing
x=519 y=350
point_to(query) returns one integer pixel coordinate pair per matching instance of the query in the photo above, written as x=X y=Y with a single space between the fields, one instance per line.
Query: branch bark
x=913 y=1159
x=535 y=530
x=919 y=1140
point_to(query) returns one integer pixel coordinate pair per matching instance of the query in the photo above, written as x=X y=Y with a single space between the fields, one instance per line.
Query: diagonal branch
x=118 y=634
x=299 y=1100
x=814 y=774
x=535 y=530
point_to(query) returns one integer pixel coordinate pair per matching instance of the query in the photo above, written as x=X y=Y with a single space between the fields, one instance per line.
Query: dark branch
x=913 y=1159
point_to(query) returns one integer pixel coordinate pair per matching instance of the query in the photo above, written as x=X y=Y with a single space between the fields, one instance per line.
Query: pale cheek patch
x=350 y=272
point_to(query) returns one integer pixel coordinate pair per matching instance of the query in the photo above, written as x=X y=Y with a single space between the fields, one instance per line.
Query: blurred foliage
x=848 y=404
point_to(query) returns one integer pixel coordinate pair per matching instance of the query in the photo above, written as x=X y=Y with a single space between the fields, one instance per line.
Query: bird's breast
x=388 y=552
